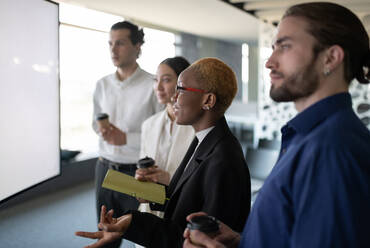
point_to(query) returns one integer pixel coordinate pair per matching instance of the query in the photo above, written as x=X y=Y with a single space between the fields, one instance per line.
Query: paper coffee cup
x=103 y=120
x=204 y=223
x=145 y=163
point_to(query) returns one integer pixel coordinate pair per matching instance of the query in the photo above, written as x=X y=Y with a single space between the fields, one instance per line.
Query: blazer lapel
x=202 y=152
x=176 y=177
x=193 y=166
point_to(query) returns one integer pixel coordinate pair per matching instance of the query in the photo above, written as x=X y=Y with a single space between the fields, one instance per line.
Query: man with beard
x=318 y=193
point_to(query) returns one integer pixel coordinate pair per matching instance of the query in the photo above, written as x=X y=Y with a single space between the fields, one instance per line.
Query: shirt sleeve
x=133 y=138
x=329 y=206
x=143 y=152
x=152 y=231
x=96 y=107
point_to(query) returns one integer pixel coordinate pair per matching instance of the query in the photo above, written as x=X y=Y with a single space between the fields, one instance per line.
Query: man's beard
x=301 y=84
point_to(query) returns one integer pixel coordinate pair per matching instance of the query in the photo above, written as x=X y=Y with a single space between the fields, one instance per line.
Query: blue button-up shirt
x=318 y=193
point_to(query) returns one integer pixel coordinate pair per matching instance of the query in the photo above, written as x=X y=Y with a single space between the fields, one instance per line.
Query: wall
x=272 y=116
x=195 y=47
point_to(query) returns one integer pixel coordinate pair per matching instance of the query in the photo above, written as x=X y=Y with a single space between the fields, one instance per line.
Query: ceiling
x=209 y=18
x=232 y=20
x=270 y=11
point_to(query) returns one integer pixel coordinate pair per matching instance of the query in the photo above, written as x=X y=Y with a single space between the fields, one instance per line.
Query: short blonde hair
x=216 y=77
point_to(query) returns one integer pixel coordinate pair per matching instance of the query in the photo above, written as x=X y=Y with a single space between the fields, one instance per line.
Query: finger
x=141 y=171
x=109 y=216
x=141 y=200
x=188 y=244
x=152 y=169
x=198 y=237
x=152 y=178
x=109 y=227
x=97 y=244
x=90 y=235
x=103 y=211
x=186 y=233
x=190 y=216
x=140 y=178
x=112 y=127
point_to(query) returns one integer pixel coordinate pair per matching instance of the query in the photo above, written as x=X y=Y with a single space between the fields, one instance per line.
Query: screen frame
x=18 y=195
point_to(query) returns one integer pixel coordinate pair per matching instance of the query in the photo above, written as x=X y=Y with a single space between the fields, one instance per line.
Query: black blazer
x=216 y=181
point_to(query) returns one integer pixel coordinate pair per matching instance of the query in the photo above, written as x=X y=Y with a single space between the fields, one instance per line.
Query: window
x=245 y=72
x=84 y=59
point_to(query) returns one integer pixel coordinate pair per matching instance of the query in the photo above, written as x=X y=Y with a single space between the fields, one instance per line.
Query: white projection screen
x=29 y=94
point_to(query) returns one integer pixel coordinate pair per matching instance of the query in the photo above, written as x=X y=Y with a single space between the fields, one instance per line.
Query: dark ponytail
x=363 y=74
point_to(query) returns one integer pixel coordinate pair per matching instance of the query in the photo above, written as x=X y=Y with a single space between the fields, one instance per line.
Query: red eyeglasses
x=180 y=88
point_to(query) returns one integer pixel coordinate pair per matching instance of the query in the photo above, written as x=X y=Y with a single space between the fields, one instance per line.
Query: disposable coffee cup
x=206 y=224
x=145 y=163
x=103 y=120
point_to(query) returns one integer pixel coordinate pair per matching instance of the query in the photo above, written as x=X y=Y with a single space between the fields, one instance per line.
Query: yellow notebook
x=126 y=184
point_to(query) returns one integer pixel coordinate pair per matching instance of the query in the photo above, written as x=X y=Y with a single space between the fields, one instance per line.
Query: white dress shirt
x=128 y=103
x=200 y=136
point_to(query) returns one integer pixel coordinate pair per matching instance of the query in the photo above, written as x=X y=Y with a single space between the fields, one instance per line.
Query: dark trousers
x=119 y=202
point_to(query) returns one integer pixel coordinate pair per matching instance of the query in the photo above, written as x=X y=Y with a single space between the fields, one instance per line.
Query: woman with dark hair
x=213 y=176
x=161 y=137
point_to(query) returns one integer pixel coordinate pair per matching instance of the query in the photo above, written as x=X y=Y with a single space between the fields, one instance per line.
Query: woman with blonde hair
x=213 y=176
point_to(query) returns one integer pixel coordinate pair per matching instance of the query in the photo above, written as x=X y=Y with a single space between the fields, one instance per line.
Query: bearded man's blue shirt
x=318 y=193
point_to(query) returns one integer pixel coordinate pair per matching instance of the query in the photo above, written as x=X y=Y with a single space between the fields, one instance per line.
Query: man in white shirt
x=127 y=97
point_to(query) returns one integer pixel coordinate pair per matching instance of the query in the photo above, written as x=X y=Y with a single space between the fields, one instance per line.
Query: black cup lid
x=204 y=223
x=101 y=116
x=145 y=162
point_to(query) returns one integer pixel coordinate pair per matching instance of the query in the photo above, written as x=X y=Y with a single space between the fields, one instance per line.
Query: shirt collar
x=167 y=117
x=128 y=80
x=313 y=115
x=203 y=133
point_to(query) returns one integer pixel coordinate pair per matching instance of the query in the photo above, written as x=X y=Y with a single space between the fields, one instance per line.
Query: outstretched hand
x=112 y=228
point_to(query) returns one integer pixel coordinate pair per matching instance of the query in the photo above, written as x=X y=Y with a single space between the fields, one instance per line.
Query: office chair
x=269 y=144
x=260 y=163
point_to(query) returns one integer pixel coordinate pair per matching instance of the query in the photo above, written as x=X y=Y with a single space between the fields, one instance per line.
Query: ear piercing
x=327 y=72
x=206 y=107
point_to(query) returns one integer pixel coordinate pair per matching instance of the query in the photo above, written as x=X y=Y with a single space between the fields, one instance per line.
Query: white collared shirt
x=128 y=103
x=165 y=140
x=200 y=135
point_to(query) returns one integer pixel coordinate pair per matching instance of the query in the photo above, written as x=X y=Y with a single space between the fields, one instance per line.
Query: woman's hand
x=153 y=174
x=112 y=228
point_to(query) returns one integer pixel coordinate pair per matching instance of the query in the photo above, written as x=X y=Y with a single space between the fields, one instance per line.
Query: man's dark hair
x=136 y=34
x=332 y=24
